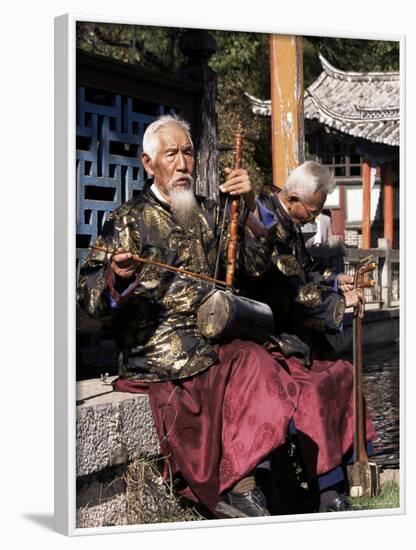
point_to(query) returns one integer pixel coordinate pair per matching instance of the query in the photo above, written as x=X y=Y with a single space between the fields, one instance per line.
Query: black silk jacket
x=154 y=314
x=302 y=297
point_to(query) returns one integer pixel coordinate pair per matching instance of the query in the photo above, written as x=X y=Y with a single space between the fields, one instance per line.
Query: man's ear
x=293 y=197
x=147 y=161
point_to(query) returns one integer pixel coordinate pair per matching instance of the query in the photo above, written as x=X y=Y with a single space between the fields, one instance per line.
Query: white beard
x=183 y=204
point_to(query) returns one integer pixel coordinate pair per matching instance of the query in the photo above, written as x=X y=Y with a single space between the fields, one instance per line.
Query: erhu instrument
x=224 y=316
x=363 y=475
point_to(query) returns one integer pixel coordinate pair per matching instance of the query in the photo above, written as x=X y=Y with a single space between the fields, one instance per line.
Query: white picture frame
x=65 y=281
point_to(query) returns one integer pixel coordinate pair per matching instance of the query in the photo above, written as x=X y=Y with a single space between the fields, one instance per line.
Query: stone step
x=118 y=462
x=112 y=428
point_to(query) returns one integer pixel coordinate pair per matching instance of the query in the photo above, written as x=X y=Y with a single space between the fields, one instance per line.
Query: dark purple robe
x=216 y=426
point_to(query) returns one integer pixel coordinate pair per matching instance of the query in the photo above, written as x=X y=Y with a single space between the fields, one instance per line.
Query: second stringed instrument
x=363 y=475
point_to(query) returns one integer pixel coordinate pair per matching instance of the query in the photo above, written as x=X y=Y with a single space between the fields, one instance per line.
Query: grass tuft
x=389 y=497
x=150 y=499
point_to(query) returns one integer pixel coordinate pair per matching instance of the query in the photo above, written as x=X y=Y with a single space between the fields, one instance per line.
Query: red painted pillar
x=366 y=227
x=388 y=214
x=338 y=214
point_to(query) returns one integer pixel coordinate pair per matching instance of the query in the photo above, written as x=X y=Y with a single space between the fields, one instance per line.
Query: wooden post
x=286 y=76
x=366 y=227
x=198 y=46
x=385 y=273
x=388 y=214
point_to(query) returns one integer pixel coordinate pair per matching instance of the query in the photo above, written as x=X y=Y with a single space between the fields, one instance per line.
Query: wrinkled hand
x=354 y=297
x=123 y=264
x=238 y=183
x=345 y=282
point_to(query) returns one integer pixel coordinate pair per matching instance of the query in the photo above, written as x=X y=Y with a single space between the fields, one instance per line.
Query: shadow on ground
x=44 y=520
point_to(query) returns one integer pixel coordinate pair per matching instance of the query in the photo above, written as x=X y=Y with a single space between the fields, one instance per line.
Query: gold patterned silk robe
x=154 y=314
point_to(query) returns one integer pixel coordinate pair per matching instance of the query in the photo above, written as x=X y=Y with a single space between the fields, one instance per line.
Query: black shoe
x=244 y=505
x=339 y=503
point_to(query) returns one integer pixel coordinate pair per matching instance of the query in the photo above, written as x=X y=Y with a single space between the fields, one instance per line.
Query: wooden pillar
x=388 y=196
x=286 y=77
x=366 y=227
x=198 y=46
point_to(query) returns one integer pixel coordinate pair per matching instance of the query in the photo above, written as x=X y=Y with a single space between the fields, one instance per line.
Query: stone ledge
x=390 y=475
x=112 y=427
x=374 y=315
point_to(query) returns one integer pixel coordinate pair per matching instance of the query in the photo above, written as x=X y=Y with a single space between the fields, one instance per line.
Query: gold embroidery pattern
x=339 y=311
x=199 y=362
x=97 y=255
x=150 y=277
x=168 y=352
x=281 y=234
x=181 y=298
x=156 y=221
x=289 y=265
x=127 y=240
x=310 y=295
x=326 y=274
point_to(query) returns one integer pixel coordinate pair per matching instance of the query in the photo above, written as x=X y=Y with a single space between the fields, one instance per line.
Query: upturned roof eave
x=330 y=70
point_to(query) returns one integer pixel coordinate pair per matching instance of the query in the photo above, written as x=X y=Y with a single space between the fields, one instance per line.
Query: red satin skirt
x=216 y=426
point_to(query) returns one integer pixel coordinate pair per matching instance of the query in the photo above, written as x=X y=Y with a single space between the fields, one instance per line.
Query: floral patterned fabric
x=214 y=428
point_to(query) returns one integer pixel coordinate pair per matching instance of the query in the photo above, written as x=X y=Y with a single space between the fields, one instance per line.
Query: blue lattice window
x=110 y=131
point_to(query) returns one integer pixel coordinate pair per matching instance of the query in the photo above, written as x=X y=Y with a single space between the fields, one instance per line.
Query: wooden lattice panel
x=110 y=131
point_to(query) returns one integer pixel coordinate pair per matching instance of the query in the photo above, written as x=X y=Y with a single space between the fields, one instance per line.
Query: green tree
x=242 y=65
x=354 y=54
x=153 y=48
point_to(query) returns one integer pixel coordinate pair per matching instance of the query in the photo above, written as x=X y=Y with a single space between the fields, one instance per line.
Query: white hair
x=308 y=178
x=151 y=142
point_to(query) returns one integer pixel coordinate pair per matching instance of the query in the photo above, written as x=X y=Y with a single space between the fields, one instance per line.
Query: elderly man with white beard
x=218 y=410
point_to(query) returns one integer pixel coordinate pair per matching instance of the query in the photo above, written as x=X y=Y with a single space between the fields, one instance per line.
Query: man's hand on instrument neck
x=238 y=183
x=354 y=297
x=345 y=282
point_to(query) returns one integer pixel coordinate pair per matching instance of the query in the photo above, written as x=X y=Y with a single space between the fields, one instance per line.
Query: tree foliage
x=153 y=48
x=356 y=54
x=242 y=65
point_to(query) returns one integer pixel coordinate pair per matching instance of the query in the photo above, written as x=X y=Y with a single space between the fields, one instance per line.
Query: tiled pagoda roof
x=363 y=105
